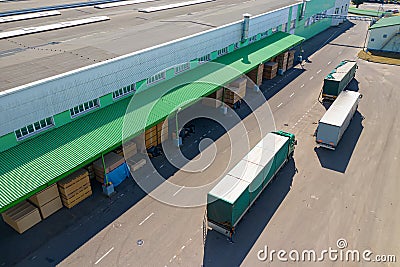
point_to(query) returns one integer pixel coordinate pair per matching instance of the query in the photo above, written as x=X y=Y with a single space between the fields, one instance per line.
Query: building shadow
x=218 y=251
x=339 y=159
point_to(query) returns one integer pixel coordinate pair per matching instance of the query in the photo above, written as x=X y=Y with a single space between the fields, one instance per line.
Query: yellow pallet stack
x=256 y=75
x=75 y=188
x=150 y=137
x=270 y=70
x=217 y=95
x=235 y=91
x=291 y=59
x=162 y=131
x=282 y=60
x=111 y=160
x=22 y=216
x=48 y=201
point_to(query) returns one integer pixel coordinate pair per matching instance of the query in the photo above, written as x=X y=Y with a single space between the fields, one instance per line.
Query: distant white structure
x=385 y=35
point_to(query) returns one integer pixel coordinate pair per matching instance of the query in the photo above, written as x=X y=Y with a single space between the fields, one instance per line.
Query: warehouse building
x=65 y=113
x=385 y=35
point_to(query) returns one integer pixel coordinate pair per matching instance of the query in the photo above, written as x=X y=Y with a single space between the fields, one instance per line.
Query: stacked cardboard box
x=47 y=201
x=135 y=164
x=75 y=188
x=150 y=137
x=111 y=160
x=282 y=60
x=270 y=70
x=162 y=132
x=235 y=91
x=130 y=149
x=22 y=216
x=291 y=59
x=209 y=101
x=256 y=75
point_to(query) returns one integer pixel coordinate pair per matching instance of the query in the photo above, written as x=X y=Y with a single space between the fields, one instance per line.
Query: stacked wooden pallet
x=235 y=91
x=150 y=137
x=111 y=160
x=90 y=171
x=256 y=75
x=47 y=201
x=290 y=59
x=270 y=70
x=22 y=216
x=75 y=188
x=214 y=100
x=282 y=60
x=162 y=132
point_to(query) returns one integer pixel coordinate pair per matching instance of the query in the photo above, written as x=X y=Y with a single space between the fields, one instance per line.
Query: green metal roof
x=36 y=163
x=386 y=22
x=366 y=12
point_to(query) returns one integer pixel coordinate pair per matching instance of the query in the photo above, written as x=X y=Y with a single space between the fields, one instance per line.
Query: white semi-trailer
x=336 y=119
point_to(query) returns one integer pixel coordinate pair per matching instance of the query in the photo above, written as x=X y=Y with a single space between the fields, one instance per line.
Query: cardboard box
x=45 y=195
x=50 y=207
x=111 y=160
x=22 y=216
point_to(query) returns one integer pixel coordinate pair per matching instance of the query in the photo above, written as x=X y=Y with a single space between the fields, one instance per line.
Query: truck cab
x=292 y=141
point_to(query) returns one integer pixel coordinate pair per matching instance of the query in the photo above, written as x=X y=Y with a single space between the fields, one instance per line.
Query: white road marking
x=102 y=257
x=319 y=71
x=146 y=218
x=312 y=77
x=340 y=52
x=292 y=94
x=180 y=189
x=279 y=105
x=182 y=247
x=174 y=257
x=329 y=62
x=302 y=86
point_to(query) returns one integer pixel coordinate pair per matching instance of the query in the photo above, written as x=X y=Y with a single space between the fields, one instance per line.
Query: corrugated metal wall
x=27 y=104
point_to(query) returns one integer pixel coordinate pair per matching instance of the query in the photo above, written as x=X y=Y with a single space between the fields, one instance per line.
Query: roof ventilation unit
x=245 y=26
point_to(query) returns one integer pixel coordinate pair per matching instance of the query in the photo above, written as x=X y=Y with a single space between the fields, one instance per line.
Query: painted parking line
x=312 y=77
x=279 y=105
x=302 y=86
x=292 y=94
x=319 y=71
x=329 y=62
x=102 y=257
x=180 y=189
x=148 y=217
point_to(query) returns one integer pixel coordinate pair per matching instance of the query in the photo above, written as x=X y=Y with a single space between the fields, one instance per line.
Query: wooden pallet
x=69 y=203
x=76 y=190
x=73 y=178
x=67 y=191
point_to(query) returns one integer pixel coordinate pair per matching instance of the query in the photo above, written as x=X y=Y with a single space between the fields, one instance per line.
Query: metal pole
x=104 y=166
x=177 y=126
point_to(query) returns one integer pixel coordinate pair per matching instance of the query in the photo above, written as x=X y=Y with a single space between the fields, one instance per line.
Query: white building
x=385 y=35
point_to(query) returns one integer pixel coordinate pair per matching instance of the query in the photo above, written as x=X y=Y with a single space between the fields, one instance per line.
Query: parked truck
x=230 y=199
x=339 y=78
x=336 y=119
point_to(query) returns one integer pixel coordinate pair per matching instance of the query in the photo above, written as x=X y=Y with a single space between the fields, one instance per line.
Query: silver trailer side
x=336 y=119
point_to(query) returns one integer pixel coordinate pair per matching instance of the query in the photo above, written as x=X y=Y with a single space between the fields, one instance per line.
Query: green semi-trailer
x=339 y=78
x=230 y=199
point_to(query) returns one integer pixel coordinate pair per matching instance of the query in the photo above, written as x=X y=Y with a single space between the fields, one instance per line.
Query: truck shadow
x=339 y=159
x=218 y=251
x=353 y=85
